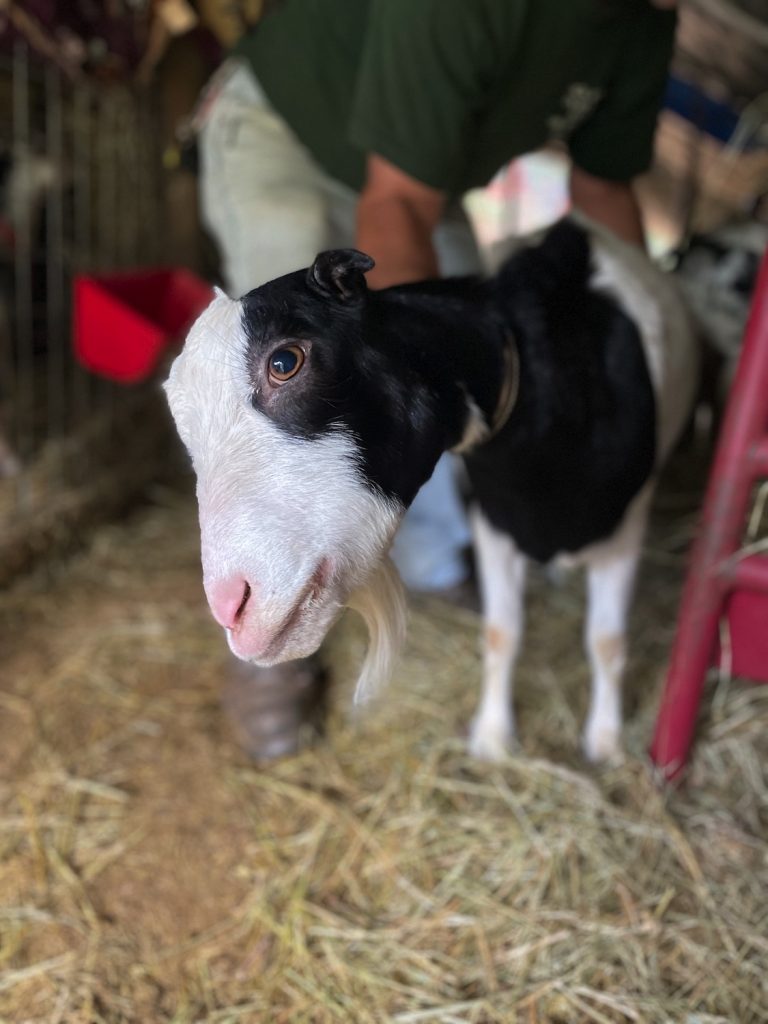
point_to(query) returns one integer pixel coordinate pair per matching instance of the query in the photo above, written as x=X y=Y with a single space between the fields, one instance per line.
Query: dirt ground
x=150 y=873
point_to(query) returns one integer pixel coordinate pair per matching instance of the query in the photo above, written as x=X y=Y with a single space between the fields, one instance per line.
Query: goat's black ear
x=339 y=273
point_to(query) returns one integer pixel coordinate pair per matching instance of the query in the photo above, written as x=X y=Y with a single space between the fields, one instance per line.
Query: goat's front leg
x=502 y=582
x=610 y=581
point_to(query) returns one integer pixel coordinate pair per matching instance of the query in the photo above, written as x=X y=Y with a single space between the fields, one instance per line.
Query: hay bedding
x=149 y=873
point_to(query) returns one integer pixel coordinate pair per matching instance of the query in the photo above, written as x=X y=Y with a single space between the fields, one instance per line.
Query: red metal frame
x=720 y=581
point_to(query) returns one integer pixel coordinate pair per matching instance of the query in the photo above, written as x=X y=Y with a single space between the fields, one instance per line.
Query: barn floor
x=150 y=873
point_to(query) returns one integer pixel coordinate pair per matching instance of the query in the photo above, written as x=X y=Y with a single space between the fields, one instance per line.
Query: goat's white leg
x=610 y=581
x=502 y=581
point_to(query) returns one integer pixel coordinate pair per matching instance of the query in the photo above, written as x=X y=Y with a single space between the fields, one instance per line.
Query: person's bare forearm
x=390 y=230
x=396 y=215
x=611 y=203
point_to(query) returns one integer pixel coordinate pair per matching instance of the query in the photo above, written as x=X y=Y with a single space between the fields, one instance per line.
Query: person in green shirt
x=412 y=102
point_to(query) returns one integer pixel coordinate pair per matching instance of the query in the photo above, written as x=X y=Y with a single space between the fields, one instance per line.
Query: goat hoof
x=492 y=744
x=602 y=745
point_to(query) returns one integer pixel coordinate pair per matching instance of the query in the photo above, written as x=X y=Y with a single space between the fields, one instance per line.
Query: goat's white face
x=290 y=527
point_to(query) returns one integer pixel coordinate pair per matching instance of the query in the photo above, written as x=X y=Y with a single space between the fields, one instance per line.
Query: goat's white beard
x=382 y=604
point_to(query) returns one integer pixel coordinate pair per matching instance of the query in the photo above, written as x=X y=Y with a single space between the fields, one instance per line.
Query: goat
x=314 y=410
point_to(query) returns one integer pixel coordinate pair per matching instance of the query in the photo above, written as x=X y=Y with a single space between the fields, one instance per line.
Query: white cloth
x=271 y=208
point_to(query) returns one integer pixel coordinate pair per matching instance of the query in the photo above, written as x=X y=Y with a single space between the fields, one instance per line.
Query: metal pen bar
x=129 y=144
x=9 y=411
x=55 y=299
x=23 y=398
x=82 y=157
x=110 y=213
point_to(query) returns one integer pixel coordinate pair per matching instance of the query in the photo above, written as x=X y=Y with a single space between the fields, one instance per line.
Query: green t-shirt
x=450 y=90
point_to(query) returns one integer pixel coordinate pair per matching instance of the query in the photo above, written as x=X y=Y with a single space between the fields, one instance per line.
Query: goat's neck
x=462 y=351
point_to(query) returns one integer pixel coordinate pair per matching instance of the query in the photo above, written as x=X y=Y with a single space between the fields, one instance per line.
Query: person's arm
x=425 y=71
x=615 y=144
x=611 y=203
x=396 y=216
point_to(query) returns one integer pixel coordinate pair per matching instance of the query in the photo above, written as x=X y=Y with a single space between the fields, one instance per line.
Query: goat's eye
x=285 y=363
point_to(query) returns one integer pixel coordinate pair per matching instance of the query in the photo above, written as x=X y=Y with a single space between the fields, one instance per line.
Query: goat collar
x=479 y=429
x=509 y=388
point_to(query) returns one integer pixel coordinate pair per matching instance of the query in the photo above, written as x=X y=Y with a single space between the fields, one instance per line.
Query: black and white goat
x=314 y=410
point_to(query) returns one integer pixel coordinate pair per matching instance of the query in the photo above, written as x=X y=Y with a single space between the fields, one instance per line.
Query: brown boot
x=272 y=710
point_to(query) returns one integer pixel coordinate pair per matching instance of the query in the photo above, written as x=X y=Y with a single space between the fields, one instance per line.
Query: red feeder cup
x=124 y=322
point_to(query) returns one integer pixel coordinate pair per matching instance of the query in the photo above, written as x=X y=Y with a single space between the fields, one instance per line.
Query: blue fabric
x=428 y=548
x=703 y=111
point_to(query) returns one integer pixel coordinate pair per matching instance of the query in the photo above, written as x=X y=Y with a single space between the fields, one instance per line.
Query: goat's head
x=307 y=449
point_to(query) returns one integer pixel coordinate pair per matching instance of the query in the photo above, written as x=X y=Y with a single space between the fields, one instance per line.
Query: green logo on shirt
x=577 y=104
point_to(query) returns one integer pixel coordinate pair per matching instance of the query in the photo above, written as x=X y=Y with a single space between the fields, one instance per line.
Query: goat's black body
x=400 y=368
x=580 y=442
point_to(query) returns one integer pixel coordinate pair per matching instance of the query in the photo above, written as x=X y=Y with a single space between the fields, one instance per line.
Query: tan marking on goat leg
x=609 y=650
x=496 y=639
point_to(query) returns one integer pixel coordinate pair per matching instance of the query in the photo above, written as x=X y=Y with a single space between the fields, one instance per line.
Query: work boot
x=274 y=711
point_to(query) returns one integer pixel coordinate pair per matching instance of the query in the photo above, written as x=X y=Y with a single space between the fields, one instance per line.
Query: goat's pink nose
x=227 y=599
